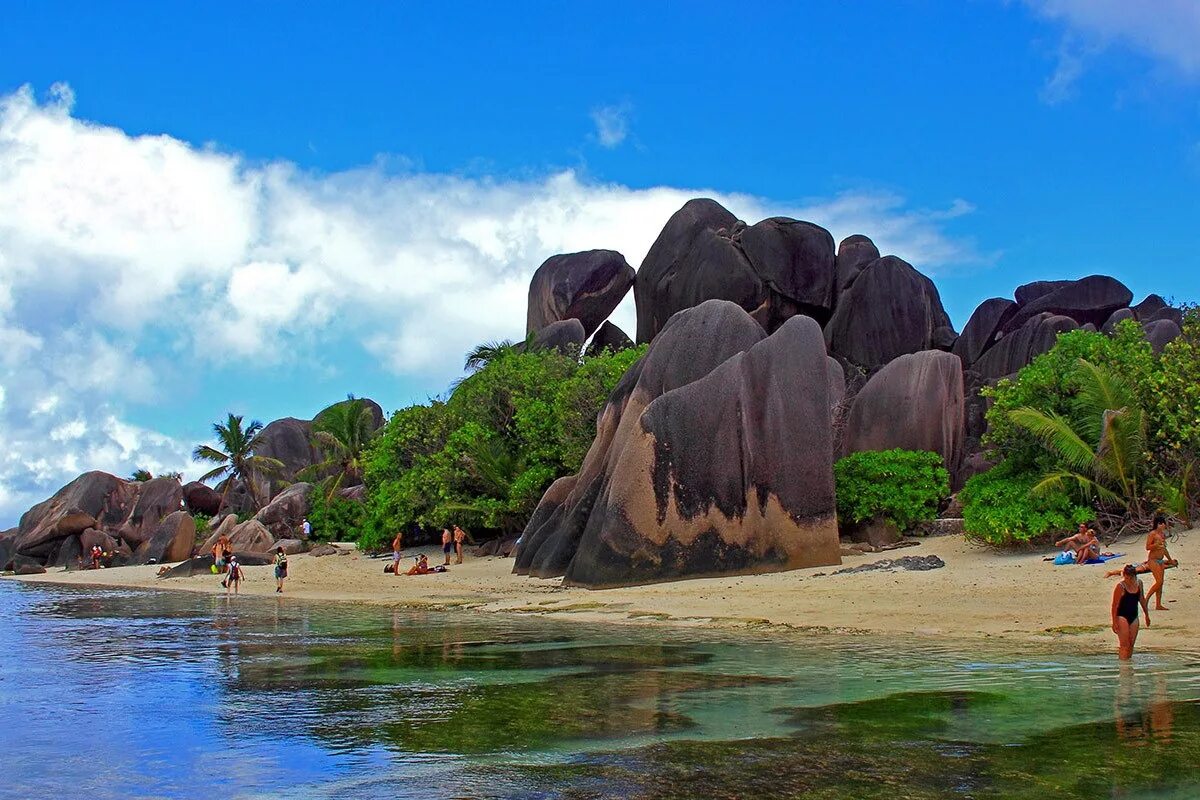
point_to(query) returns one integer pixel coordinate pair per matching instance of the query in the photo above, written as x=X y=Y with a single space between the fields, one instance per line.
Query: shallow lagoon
x=142 y=694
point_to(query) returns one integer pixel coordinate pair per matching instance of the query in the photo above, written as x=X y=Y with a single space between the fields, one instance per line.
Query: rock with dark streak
x=585 y=286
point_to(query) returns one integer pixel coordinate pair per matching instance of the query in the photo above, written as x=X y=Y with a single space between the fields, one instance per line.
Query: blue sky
x=261 y=207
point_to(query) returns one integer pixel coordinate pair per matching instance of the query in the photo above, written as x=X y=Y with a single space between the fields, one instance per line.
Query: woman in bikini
x=1128 y=595
x=1157 y=558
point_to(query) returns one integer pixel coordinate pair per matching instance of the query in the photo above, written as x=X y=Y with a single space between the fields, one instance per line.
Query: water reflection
x=330 y=700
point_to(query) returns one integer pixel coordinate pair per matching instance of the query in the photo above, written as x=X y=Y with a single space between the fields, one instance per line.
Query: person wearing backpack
x=280 y=569
x=234 y=579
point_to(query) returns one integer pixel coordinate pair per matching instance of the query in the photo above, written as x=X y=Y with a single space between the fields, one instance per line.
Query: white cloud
x=612 y=124
x=1164 y=30
x=123 y=258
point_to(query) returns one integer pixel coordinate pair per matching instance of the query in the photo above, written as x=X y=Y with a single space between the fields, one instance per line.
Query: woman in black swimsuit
x=1127 y=596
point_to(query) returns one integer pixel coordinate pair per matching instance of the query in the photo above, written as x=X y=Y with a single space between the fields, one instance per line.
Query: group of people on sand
x=1129 y=595
x=226 y=563
x=454 y=539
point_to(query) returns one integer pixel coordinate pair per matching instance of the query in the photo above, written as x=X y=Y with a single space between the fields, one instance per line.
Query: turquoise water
x=110 y=694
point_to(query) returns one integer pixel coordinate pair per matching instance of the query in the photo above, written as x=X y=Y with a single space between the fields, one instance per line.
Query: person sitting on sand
x=1075 y=540
x=1089 y=548
x=1157 y=558
x=1128 y=594
x=421 y=567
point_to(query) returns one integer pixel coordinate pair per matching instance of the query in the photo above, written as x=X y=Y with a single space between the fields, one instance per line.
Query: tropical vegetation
x=903 y=487
x=235 y=455
x=341 y=433
x=1100 y=427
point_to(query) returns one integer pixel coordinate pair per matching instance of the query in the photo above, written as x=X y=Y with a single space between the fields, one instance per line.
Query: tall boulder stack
x=712 y=456
x=585 y=286
x=91 y=500
x=914 y=403
x=691 y=345
x=773 y=270
x=729 y=474
x=1088 y=300
x=889 y=310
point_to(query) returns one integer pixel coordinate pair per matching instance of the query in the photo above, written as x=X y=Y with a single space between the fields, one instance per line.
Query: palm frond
x=204 y=452
x=219 y=472
x=1054 y=431
x=481 y=355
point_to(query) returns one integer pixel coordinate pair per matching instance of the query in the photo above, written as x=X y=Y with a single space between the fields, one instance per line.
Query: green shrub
x=901 y=486
x=336 y=519
x=483 y=457
x=999 y=507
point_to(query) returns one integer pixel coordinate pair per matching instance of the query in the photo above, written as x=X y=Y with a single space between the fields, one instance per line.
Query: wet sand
x=980 y=593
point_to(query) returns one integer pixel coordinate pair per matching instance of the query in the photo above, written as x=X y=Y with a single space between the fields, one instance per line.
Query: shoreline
x=981 y=594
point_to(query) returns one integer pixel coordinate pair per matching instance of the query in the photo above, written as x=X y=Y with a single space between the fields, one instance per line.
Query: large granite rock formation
x=1018 y=348
x=774 y=269
x=171 y=540
x=201 y=499
x=914 y=403
x=609 y=337
x=652 y=502
x=91 y=500
x=854 y=253
x=156 y=499
x=284 y=515
x=289 y=440
x=690 y=346
x=585 y=286
x=889 y=310
x=566 y=336
x=980 y=331
x=1160 y=333
x=1092 y=299
x=730 y=474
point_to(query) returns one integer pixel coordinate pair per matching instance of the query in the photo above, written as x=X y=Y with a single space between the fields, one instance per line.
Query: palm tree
x=483 y=354
x=1100 y=449
x=237 y=460
x=342 y=432
x=141 y=475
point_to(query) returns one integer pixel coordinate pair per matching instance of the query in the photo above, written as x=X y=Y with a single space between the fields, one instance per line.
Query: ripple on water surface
x=128 y=693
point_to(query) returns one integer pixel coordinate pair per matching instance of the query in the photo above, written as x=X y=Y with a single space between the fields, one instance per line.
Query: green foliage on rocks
x=1099 y=426
x=901 y=486
x=483 y=457
x=335 y=518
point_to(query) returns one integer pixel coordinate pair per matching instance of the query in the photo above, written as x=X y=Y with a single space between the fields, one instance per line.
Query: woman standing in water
x=1127 y=596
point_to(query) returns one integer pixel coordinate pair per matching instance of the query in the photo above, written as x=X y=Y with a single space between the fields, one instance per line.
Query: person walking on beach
x=306 y=528
x=1128 y=595
x=234 y=579
x=1157 y=558
x=221 y=552
x=280 y=569
x=397 y=546
x=447 y=544
x=460 y=536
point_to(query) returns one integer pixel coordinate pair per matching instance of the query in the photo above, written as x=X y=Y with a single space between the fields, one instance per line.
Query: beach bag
x=1064 y=558
x=213 y=567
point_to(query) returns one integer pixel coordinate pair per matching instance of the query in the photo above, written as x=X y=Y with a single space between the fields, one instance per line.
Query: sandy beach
x=980 y=593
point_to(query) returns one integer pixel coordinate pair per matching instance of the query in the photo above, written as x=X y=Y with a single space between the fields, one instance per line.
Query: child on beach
x=1128 y=595
x=280 y=569
x=234 y=579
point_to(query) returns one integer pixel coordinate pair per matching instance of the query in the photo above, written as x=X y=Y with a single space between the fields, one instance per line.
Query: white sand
x=979 y=593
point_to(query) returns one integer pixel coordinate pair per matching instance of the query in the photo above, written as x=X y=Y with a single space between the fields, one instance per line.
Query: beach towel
x=1069 y=558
